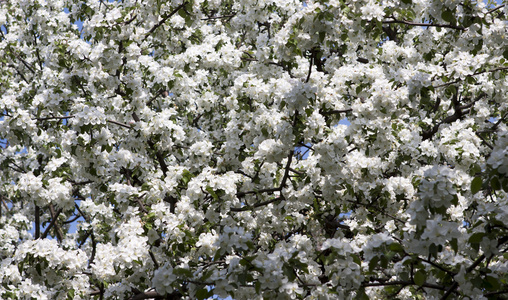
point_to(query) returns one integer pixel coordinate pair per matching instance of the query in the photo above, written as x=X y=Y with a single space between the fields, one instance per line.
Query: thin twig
x=53 y=222
x=120 y=124
x=395 y=21
x=219 y=17
x=335 y=111
x=54 y=118
x=310 y=67
x=269 y=190
x=474 y=74
x=252 y=207
x=429 y=285
x=165 y=19
x=147 y=295
x=496 y=8
x=37 y=222
x=155 y=263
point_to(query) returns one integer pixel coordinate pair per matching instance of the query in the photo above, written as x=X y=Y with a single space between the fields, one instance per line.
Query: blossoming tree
x=197 y=145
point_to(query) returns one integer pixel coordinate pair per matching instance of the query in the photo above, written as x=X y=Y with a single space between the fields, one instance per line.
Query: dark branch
x=362 y=60
x=404 y=283
x=335 y=112
x=53 y=222
x=475 y=264
x=165 y=19
x=72 y=116
x=495 y=8
x=395 y=21
x=270 y=190
x=120 y=124
x=252 y=207
x=37 y=222
x=219 y=17
x=474 y=74
x=54 y=118
x=391 y=33
x=155 y=263
x=310 y=65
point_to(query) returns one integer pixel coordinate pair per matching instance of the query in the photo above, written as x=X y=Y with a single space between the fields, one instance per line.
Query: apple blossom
x=189 y=149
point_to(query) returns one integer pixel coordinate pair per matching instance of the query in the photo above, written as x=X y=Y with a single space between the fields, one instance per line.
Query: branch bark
x=37 y=222
x=395 y=21
x=54 y=216
x=165 y=19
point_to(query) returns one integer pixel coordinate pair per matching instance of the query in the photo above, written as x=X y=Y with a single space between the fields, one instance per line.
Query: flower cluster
x=279 y=149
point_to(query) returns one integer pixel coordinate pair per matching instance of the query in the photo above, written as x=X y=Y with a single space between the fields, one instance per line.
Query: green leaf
x=476 y=238
x=373 y=263
x=492 y=283
x=404 y=276
x=322 y=35
x=448 y=16
x=476 y=185
x=329 y=259
x=242 y=278
x=70 y=294
x=433 y=250
x=454 y=244
x=420 y=277
x=384 y=262
x=212 y=193
x=396 y=247
x=217 y=256
x=183 y=272
x=475 y=169
x=203 y=294
x=505 y=185
x=356 y=259
x=186 y=176
x=455 y=200
x=494 y=183
x=450 y=91
x=361 y=295
x=288 y=271
x=257 y=286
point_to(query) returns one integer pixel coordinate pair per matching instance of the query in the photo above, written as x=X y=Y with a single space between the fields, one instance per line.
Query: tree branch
x=147 y=295
x=429 y=285
x=24 y=62
x=395 y=21
x=335 y=112
x=37 y=222
x=54 y=118
x=19 y=73
x=73 y=116
x=165 y=19
x=154 y=260
x=494 y=9
x=252 y=207
x=53 y=222
x=270 y=190
x=310 y=66
x=474 y=74
x=120 y=124
x=476 y=263
x=219 y=17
